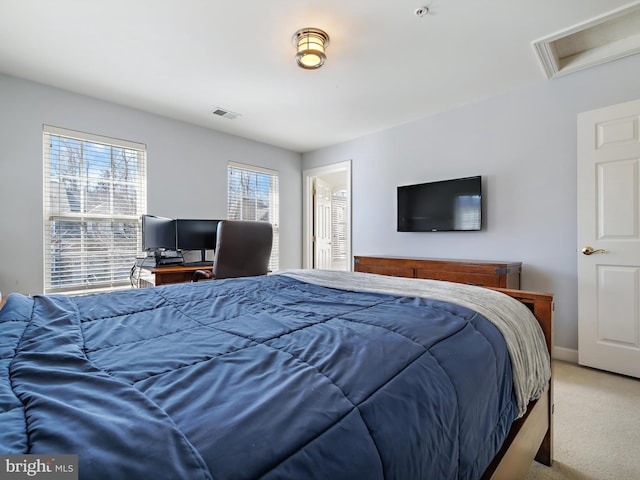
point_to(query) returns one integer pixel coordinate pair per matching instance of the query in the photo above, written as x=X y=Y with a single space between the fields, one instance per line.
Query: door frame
x=307 y=209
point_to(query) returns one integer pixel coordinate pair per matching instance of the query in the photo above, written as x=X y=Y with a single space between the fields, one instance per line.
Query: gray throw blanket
x=525 y=340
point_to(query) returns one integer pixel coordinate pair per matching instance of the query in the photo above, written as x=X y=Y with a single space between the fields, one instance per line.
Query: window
x=253 y=194
x=94 y=195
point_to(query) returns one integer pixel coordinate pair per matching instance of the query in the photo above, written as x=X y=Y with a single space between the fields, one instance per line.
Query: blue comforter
x=263 y=377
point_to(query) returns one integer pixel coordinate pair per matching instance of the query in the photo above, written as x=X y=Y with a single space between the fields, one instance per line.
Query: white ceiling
x=385 y=66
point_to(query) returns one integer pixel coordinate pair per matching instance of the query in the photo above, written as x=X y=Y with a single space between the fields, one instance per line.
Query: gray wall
x=187 y=174
x=524 y=145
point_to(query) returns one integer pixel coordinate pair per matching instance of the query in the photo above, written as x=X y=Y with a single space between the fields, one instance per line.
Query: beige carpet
x=597 y=426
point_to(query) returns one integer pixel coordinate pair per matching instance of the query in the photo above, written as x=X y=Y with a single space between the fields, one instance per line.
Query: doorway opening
x=327 y=217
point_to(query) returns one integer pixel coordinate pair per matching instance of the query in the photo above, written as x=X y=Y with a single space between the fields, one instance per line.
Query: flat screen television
x=192 y=234
x=158 y=233
x=444 y=206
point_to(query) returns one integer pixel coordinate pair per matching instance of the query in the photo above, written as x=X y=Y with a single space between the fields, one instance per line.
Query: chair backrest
x=243 y=249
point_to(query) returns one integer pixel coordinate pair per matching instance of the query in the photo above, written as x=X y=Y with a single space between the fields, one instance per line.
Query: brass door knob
x=590 y=251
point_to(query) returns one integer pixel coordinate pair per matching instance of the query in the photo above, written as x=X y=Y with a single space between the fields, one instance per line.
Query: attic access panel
x=608 y=37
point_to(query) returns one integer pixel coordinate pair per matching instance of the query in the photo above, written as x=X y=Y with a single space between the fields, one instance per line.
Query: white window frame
x=96 y=266
x=273 y=200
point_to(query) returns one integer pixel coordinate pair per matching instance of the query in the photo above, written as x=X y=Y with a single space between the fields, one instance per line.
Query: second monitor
x=192 y=234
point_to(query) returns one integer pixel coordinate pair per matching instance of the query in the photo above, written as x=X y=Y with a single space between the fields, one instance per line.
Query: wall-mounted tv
x=444 y=206
x=158 y=233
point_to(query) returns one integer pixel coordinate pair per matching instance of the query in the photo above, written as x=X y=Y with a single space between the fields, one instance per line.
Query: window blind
x=339 y=225
x=94 y=194
x=252 y=194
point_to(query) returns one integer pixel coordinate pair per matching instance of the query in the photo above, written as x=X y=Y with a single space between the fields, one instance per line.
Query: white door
x=338 y=175
x=322 y=225
x=609 y=224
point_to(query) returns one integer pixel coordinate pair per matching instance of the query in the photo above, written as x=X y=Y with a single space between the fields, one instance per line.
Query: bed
x=300 y=374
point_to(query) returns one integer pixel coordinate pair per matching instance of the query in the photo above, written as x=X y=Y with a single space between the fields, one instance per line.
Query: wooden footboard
x=532 y=435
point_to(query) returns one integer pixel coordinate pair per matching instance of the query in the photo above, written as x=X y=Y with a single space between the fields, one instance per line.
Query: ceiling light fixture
x=310 y=44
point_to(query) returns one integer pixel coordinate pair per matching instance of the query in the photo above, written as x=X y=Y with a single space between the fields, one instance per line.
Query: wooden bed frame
x=530 y=437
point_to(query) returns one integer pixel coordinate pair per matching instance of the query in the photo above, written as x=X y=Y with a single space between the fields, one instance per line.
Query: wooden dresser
x=473 y=272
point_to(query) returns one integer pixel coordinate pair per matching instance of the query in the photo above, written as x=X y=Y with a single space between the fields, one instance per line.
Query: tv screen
x=444 y=206
x=196 y=234
x=158 y=233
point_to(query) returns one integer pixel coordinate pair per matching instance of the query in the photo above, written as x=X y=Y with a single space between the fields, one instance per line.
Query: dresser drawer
x=460 y=277
x=384 y=270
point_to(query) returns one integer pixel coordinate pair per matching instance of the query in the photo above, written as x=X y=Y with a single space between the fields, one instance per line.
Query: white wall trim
x=565 y=354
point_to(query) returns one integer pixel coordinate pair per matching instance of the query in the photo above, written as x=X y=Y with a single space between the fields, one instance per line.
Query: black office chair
x=243 y=249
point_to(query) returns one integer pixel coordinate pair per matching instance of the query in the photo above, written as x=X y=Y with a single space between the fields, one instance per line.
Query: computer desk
x=152 y=276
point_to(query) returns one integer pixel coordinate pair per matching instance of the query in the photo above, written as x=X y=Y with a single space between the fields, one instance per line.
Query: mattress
x=265 y=377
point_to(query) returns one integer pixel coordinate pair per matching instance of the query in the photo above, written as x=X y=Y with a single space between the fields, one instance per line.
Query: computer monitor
x=192 y=234
x=158 y=233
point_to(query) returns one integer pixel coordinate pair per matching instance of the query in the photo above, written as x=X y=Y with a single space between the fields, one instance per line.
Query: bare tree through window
x=94 y=196
x=253 y=195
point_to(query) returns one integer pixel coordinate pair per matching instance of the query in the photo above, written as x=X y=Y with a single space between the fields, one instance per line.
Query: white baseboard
x=565 y=354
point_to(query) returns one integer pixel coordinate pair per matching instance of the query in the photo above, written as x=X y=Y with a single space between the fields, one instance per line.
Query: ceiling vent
x=608 y=37
x=221 y=112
